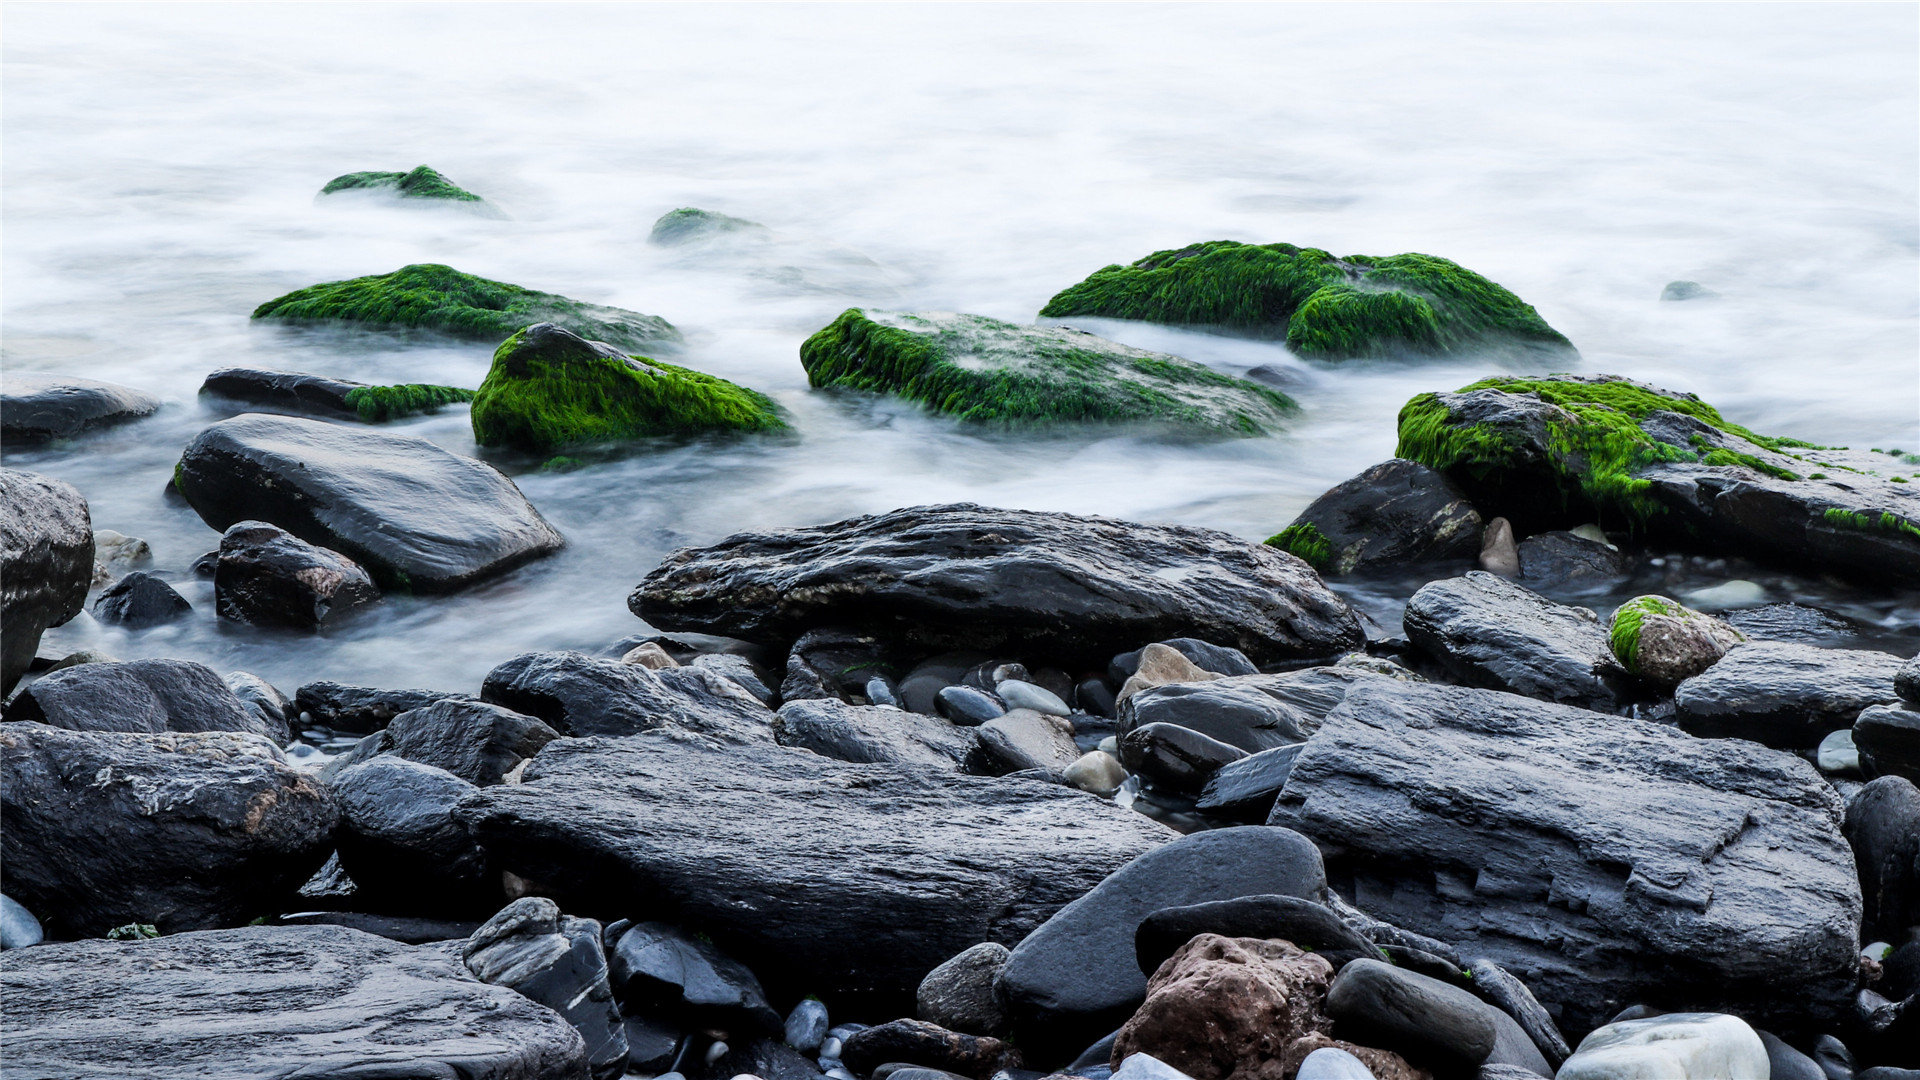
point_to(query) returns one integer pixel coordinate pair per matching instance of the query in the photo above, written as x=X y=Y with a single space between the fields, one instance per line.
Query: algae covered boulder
x=423 y=182
x=429 y=296
x=1324 y=307
x=1553 y=452
x=550 y=387
x=321 y=395
x=995 y=372
x=689 y=225
x=1664 y=642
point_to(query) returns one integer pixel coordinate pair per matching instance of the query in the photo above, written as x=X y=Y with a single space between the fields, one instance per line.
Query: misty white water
x=160 y=165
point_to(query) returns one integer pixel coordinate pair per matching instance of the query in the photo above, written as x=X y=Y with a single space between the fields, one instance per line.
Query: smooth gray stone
x=968 y=705
x=1783 y=694
x=263 y=699
x=873 y=734
x=1219 y=659
x=1024 y=739
x=46 y=564
x=1246 y=789
x=1376 y=1004
x=558 y=961
x=1883 y=828
x=1025 y=695
x=401 y=844
x=1786 y=1063
x=1487 y=631
x=296 y=391
x=658 y=966
x=139 y=696
x=475 y=741
x=806 y=1026
x=1833 y=1057
x=741 y=671
x=1147 y=1067
x=1289 y=918
x=1886 y=739
x=18 y=928
x=958 y=995
x=1555 y=558
x=36 y=407
x=1332 y=1063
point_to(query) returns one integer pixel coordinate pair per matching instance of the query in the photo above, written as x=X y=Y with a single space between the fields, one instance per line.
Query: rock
x=658 y=968
x=427 y=296
x=1900 y=972
x=1375 y=1003
x=191 y=1007
x=556 y=960
x=1565 y=449
x=405 y=929
x=761 y=1059
x=1217 y=659
x=1223 y=1008
x=139 y=695
x=742 y=673
x=1685 y=1046
x=1075 y=976
x=401 y=844
x=649 y=654
x=1665 y=643
x=550 y=388
x=1009 y=374
x=959 y=995
x=836 y=662
x=117 y=553
x=184 y=831
x=920 y=1043
x=1250 y=712
x=260 y=697
x=421 y=183
x=1175 y=758
x=1325 y=307
x=1883 y=827
x=1397 y=513
x=46 y=563
x=1786 y=1063
x=1147 y=1067
x=941 y=576
x=1837 y=755
x=18 y=928
x=1094 y=697
x=475 y=741
x=1025 y=695
x=652 y=1045
x=1783 y=694
x=1244 y=790
x=1833 y=1058
x=332 y=399
x=1906 y=681
x=139 y=600
x=846 y=879
x=1161 y=665
x=1096 y=771
x=1686 y=290
x=1024 y=739
x=1289 y=918
x=361 y=709
x=968 y=706
x=580 y=695
x=1488 y=632
x=1796 y=622
x=270 y=577
x=1498 y=987
x=806 y=1026
x=1559 y=557
x=1332 y=1063
x=418 y=518
x=872 y=734
x=37 y=407
x=1498 y=552
x=1431 y=803
x=689 y=225
x=1888 y=741
x=1737 y=593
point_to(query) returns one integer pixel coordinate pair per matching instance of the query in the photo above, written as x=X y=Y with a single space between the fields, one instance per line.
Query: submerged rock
x=428 y=296
x=978 y=577
x=1783 y=694
x=1397 y=513
x=558 y=961
x=46 y=564
x=1665 y=643
x=36 y=407
x=690 y=225
x=270 y=577
x=334 y=399
x=149 y=696
x=1490 y=632
x=988 y=371
x=1325 y=307
x=421 y=182
x=551 y=388
x=139 y=600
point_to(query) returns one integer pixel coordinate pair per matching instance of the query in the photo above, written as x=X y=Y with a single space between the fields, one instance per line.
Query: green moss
x=133 y=932
x=422 y=183
x=377 y=403
x=434 y=297
x=1886 y=522
x=1624 y=634
x=992 y=372
x=549 y=388
x=688 y=225
x=1306 y=541
x=1325 y=307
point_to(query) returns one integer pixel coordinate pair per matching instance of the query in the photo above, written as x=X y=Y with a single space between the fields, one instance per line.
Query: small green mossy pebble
x=689 y=224
x=1624 y=634
x=133 y=932
x=1306 y=541
x=422 y=182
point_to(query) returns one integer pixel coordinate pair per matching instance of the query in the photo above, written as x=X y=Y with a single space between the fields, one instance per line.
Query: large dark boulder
x=1888 y=738
x=1784 y=694
x=1521 y=831
x=1076 y=977
x=1883 y=826
x=419 y=518
x=271 y=1001
x=580 y=695
x=37 y=407
x=1245 y=790
x=873 y=734
x=836 y=878
x=267 y=576
x=475 y=741
x=46 y=564
x=558 y=961
x=1377 y=1004
x=1397 y=513
x=401 y=844
x=971 y=576
x=1305 y=923
x=1486 y=631
x=139 y=600
x=661 y=971
x=140 y=695
x=183 y=831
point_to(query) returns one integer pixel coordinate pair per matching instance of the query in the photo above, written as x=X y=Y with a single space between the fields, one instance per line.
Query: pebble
x=18 y=927
x=831 y=1047
x=1025 y=695
x=715 y=1052
x=650 y=655
x=807 y=1025
x=1333 y=1063
x=1499 y=554
x=839 y=1072
x=1099 y=772
x=1009 y=673
x=968 y=706
x=881 y=692
x=1737 y=593
x=1837 y=754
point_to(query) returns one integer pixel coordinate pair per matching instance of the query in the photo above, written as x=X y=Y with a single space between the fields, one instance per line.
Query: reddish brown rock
x=1230 y=1009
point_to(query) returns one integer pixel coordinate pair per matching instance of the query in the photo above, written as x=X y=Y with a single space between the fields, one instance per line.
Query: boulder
x=1783 y=694
x=361 y=709
x=691 y=225
x=1325 y=307
x=401 y=844
x=1305 y=923
x=1244 y=790
x=1488 y=632
x=939 y=576
x=1519 y=831
x=1075 y=977
x=1013 y=375
x=270 y=577
x=806 y=1026
x=422 y=183
x=1398 y=513
x=1883 y=827
x=37 y=407
x=917 y=1042
x=1252 y=712
x=1685 y=1046
x=1173 y=758
x=1665 y=643
x=1223 y=1008
x=475 y=741
x=841 y=878
x=1218 y=659
x=428 y=296
x=140 y=695
x=46 y=563
x=182 y=831
x=308 y=1001
x=1561 y=557
x=1906 y=681
x=419 y=518
x=1024 y=739
x=139 y=600
x=332 y=399
x=1377 y=1004
x=660 y=970
x=550 y=388
x=558 y=961
x=958 y=995
x=580 y=695
x=872 y=734
x=1159 y=665
x=1887 y=738
x=1565 y=449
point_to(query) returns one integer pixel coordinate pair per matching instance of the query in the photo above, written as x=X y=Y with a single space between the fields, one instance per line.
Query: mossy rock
x=689 y=225
x=988 y=371
x=1326 y=308
x=1665 y=642
x=550 y=388
x=429 y=296
x=423 y=182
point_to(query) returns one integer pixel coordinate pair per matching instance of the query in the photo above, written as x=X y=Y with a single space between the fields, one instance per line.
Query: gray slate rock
x=872 y=734
x=556 y=960
x=360 y=710
x=1305 y=923
x=1024 y=739
x=978 y=577
x=1797 y=622
x=291 y=391
x=1888 y=740
x=1782 y=694
x=140 y=695
x=261 y=698
x=1499 y=988
x=1245 y=790
x=1560 y=557
x=1174 y=758
x=968 y=705
x=659 y=969
x=1489 y=632
x=1374 y=1003
x=139 y=600
x=269 y=577
x=46 y=564
x=475 y=741
x=1883 y=827
x=191 y=1007
x=1252 y=712
x=1906 y=681
x=959 y=995
x=1397 y=513
x=401 y=844
x=1518 y=830
x=579 y=695
x=36 y=407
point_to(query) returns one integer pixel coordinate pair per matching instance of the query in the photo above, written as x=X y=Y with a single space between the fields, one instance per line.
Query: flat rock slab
x=1520 y=831
x=873 y=734
x=833 y=878
x=37 y=407
x=1785 y=694
x=969 y=576
x=1487 y=631
x=419 y=518
x=318 y=1002
x=296 y=391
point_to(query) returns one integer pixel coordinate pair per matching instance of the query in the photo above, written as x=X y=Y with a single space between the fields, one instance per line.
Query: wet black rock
x=270 y=577
x=1783 y=694
x=556 y=960
x=417 y=517
x=744 y=674
x=1487 y=631
x=1397 y=513
x=917 y=1042
x=262 y=699
x=1786 y=1063
x=1519 y=831
x=1173 y=757
x=37 y=407
x=1906 y=681
x=1796 y=622
x=958 y=995
x=967 y=575
x=1208 y=657
x=1252 y=712
x=46 y=564
x=359 y=710
x=1244 y=790
x=1023 y=740
x=579 y=695
x=1376 y=1004
x=140 y=695
x=1888 y=738
x=837 y=878
x=968 y=705
x=183 y=831
x=1883 y=826
x=764 y=1058
x=1556 y=558
x=1307 y=924
x=292 y=391
x=406 y=929
x=191 y=1007
x=1498 y=986
x=475 y=741
x=658 y=969
x=834 y=662
x=873 y=734
x=401 y=844
x=139 y=600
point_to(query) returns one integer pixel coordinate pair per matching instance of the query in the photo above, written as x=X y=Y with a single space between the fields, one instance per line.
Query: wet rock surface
x=46 y=563
x=139 y=600
x=1378 y=1004
x=556 y=960
x=401 y=844
x=140 y=695
x=579 y=695
x=1887 y=738
x=1489 y=632
x=36 y=408
x=268 y=576
x=1783 y=694
x=1289 y=918
x=475 y=741
x=959 y=994
x=362 y=709
x=870 y=734
x=1396 y=513
x=1883 y=826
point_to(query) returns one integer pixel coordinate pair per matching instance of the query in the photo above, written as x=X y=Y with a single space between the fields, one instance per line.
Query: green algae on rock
x=550 y=388
x=377 y=403
x=1665 y=642
x=429 y=296
x=1305 y=540
x=689 y=225
x=1326 y=308
x=988 y=371
x=422 y=183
